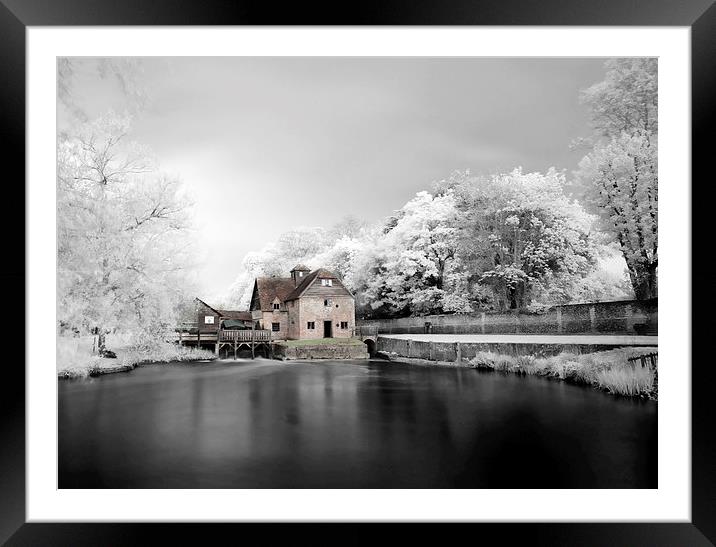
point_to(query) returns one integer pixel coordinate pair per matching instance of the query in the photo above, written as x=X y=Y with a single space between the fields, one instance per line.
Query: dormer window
x=327 y=282
x=276 y=306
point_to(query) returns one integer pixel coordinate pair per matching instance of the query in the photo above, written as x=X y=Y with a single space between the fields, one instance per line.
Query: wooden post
x=458 y=353
x=431 y=348
x=234 y=350
x=482 y=322
x=592 y=318
x=559 y=320
x=629 y=318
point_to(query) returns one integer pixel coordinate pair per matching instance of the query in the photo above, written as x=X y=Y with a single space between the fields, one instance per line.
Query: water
x=267 y=424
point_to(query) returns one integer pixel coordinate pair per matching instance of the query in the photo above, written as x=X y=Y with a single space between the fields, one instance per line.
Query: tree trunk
x=644 y=281
x=512 y=298
x=101 y=347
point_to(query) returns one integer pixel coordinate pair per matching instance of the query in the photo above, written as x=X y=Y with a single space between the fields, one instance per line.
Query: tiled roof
x=303 y=285
x=301 y=268
x=270 y=288
x=234 y=314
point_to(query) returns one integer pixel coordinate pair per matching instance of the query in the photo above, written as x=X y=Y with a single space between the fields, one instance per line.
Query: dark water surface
x=267 y=424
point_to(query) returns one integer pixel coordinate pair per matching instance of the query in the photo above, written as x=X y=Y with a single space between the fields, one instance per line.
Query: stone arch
x=370 y=346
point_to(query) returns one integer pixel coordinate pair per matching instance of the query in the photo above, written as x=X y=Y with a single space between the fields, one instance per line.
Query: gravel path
x=583 y=339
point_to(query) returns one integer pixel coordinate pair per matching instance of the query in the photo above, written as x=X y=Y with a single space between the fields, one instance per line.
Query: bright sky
x=269 y=144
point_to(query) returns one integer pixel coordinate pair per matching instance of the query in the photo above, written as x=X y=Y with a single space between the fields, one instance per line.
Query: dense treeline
x=502 y=242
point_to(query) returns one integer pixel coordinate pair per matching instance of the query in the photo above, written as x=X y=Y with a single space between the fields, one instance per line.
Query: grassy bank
x=75 y=358
x=607 y=370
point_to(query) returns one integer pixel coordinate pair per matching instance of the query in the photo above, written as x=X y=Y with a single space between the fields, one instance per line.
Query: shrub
x=627 y=380
x=75 y=357
x=608 y=370
x=484 y=360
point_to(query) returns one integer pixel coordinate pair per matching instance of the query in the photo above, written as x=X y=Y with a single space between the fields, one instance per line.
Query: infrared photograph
x=357 y=272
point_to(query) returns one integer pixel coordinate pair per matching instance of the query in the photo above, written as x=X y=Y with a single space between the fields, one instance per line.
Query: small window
x=208 y=319
x=327 y=302
x=276 y=306
x=327 y=282
x=311 y=325
x=344 y=324
x=276 y=327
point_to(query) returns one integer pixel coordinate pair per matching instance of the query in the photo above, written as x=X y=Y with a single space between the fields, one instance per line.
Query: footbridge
x=251 y=339
x=369 y=336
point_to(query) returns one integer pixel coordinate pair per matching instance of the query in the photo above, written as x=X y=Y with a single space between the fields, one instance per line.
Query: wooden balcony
x=245 y=335
x=225 y=336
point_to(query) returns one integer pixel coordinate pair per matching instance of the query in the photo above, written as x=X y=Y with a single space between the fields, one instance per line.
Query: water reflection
x=266 y=424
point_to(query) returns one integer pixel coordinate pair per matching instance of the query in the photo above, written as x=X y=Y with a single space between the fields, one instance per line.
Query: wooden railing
x=245 y=335
x=648 y=360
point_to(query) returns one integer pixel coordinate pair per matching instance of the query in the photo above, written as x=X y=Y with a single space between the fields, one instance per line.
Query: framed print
x=398 y=268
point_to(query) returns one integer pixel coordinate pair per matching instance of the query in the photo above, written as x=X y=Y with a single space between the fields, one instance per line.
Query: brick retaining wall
x=622 y=317
x=336 y=351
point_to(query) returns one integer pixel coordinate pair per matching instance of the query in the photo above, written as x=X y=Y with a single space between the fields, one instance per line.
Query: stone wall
x=624 y=317
x=337 y=351
x=456 y=351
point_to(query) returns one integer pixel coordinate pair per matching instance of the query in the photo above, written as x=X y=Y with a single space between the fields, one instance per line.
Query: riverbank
x=75 y=358
x=606 y=370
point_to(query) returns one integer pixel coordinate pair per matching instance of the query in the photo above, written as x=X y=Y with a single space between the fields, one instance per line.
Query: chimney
x=298 y=273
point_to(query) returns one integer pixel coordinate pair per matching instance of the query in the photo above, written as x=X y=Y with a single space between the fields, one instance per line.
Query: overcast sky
x=268 y=144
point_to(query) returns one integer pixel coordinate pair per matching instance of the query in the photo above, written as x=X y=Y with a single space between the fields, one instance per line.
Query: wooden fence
x=647 y=360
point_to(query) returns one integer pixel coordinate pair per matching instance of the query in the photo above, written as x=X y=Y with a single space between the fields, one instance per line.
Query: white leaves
x=621 y=171
x=123 y=246
x=627 y=99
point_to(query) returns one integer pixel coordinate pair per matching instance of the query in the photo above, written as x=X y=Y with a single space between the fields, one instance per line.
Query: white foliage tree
x=123 y=245
x=621 y=171
x=414 y=262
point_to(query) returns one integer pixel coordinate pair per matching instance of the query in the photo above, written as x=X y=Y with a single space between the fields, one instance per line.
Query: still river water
x=268 y=424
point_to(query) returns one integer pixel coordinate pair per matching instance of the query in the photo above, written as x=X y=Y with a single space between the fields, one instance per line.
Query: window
x=311 y=325
x=275 y=327
x=344 y=324
x=327 y=302
x=208 y=319
x=276 y=306
x=327 y=282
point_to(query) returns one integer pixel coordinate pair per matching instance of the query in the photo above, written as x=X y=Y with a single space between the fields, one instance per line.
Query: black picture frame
x=16 y=15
